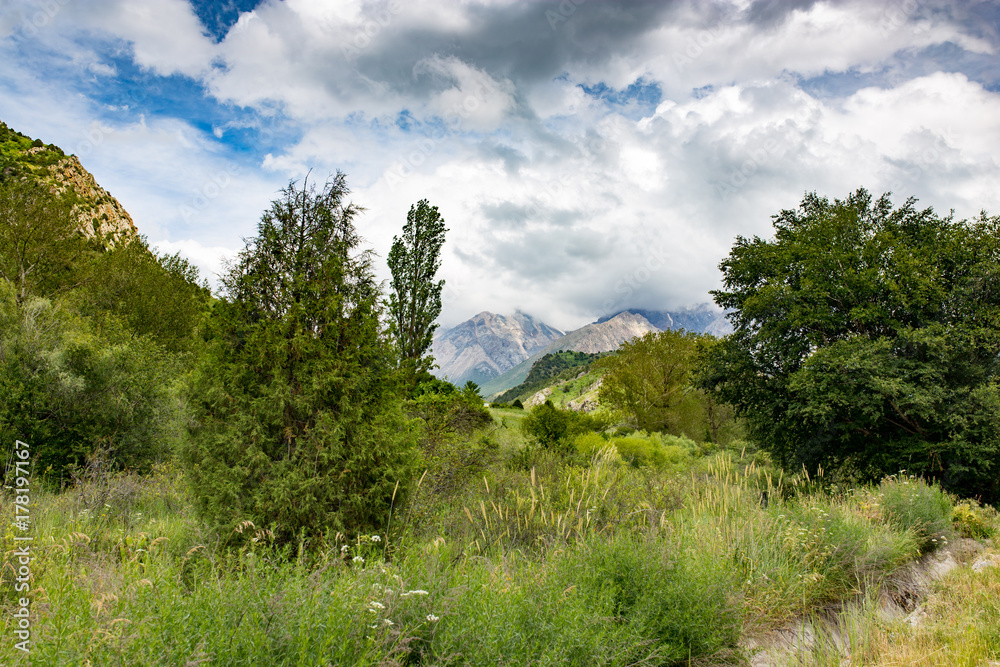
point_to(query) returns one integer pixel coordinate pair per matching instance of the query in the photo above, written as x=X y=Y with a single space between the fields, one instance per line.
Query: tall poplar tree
x=415 y=299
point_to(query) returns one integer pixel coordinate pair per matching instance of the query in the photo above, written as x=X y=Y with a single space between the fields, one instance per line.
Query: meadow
x=506 y=553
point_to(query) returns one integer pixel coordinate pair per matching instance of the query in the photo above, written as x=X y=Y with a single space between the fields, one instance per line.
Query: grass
x=503 y=554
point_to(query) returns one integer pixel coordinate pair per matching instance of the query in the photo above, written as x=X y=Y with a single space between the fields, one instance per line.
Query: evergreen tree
x=415 y=300
x=299 y=425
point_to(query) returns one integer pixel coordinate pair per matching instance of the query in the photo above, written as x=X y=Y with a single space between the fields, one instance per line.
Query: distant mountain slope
x=548 y=370
x=96 y=211
x=702 y=318
x=597 y=337
x=487 y=345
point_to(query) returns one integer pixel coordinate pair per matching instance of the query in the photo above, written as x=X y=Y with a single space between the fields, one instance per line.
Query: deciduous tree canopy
x=415 y=299
x=867 y=337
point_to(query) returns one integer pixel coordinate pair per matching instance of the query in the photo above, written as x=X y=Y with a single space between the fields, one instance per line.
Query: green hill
x=549 y=370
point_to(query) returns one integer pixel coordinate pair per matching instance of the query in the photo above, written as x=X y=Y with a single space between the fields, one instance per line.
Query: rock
x=986 y=561
x=538 y=398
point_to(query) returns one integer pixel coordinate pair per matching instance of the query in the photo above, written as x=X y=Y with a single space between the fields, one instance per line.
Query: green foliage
x=40 y=247
x=550 y=369
x=908 y=502
x=555 y=428
x=971 y=519
x=641 y=449
x=677 y=598
x=415 y=298
x=867 y=339
x=17 y=157
x=155 y=296
x=559 y=564
x=299 y=425
x=650 y=378
x=71 y=388
x=446 y=409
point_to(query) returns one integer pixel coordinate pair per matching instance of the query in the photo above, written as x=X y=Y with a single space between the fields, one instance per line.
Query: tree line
x=865 y=341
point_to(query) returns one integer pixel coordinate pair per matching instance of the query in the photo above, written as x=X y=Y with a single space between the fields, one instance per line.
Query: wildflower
x=359 y=560
x=376 y=605
x=416 y=592
x=343 y=549
x=388 y=622
x=432 y=618
x=376 y=538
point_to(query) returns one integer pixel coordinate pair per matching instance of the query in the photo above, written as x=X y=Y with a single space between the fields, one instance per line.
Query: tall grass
x=497 y=558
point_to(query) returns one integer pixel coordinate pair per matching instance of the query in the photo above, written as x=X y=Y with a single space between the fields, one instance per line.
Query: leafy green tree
x=155 y=295
x=39 y=243
x=649 y=379
x=867 y=338
x=415 y=299
x=70 y=388
x=299 y=423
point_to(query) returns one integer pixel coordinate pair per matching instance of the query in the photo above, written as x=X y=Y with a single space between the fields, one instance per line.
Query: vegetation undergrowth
x=497 y=557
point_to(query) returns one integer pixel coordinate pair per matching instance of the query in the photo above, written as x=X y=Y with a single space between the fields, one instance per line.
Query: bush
x=70 y=388
x=553 y=427
x=911 y=503
x=640 y=449
x=674 y=603
x=445 y=409
x=970 y=519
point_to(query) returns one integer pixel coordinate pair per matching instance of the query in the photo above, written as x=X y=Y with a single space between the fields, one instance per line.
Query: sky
x=586 y=156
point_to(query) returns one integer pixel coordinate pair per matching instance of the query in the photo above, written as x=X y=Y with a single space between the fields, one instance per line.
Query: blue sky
x=587 y=156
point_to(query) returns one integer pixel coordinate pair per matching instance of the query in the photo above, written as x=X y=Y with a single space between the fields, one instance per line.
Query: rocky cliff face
x=604 y=336
x=702 y=318
x=97 y=212
x=487 y=345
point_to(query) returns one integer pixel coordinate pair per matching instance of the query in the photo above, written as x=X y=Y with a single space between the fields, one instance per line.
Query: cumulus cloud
x=587 y=156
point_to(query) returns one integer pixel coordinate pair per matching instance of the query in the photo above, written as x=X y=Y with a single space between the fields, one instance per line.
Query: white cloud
x=558 y=201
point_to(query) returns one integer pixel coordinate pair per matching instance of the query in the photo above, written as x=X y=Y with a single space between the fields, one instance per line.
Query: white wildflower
x=432 y=618
x=376 y=538
x=359 y=560
x=376 y=605
x=416 y=592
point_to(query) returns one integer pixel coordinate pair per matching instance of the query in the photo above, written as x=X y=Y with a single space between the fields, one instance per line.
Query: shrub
x=673 y=603
x=973 y=520
x=70 y=388
x=908 y=502
x=553 y=427
x=446 y=409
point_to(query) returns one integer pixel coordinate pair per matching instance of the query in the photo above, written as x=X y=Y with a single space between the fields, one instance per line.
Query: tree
x=867 y=338
x=158 y=296
x=298 y=417
x=415 y=299
x=39 y=243
x=649 y=379
x=71 y=388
